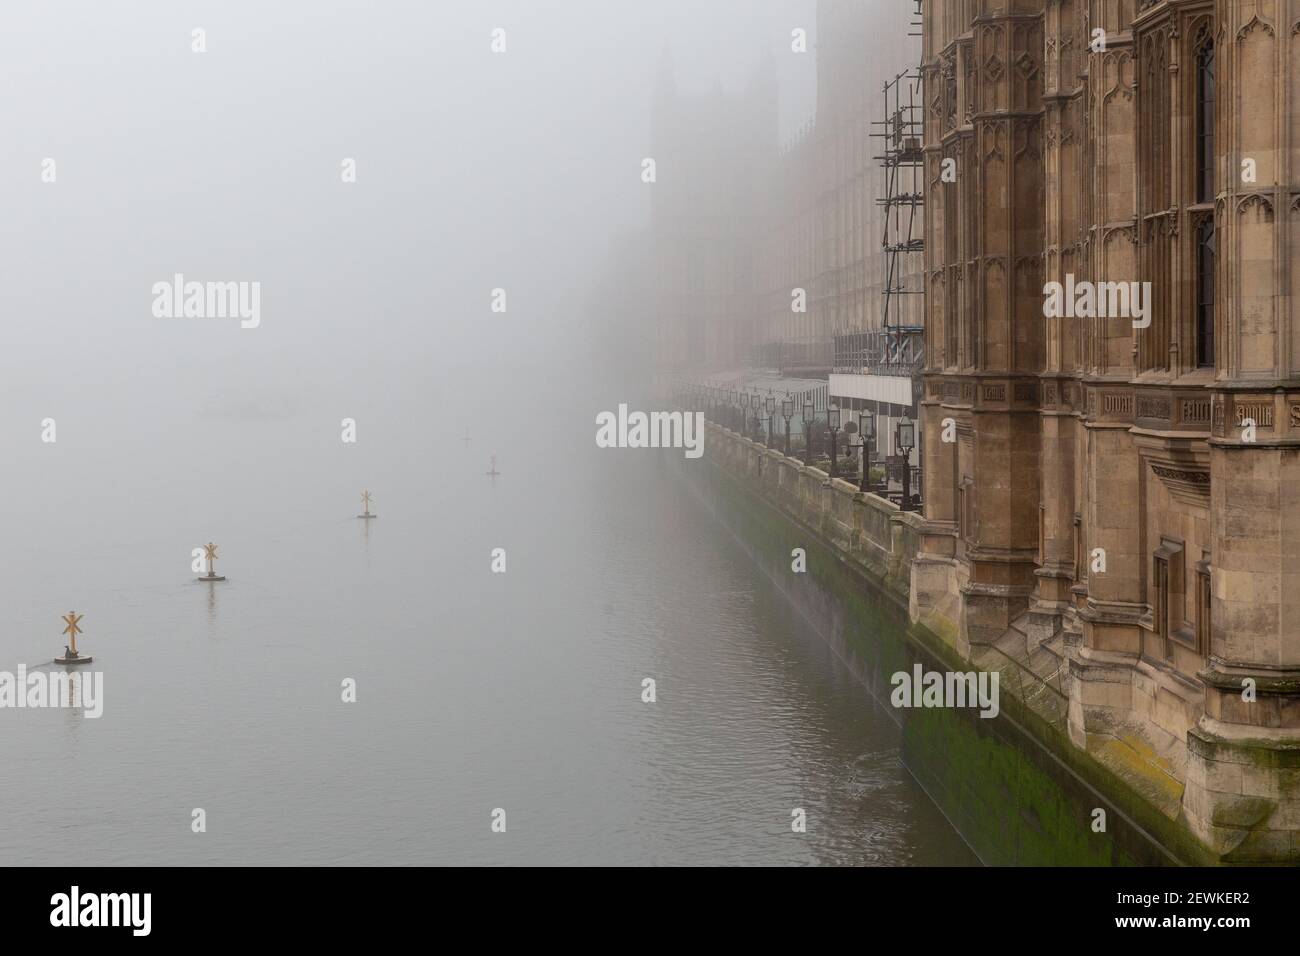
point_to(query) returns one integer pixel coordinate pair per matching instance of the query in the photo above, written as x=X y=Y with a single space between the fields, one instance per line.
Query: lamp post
x=771 y=413
x=787 y=411
x=906 y=442
x=833 y=425
x=867 y=429
x=756 y=405
x=808 y=414
x=732 y=401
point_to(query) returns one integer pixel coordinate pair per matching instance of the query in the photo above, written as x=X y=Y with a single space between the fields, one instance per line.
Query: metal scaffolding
x=903 y=161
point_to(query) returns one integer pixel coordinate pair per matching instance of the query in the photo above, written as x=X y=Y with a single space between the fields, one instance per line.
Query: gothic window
x=950 y=319
x=1205 y=267
x=1080 y=560
x=966 y=509
x=1205 y=191
x=1160 y=601
x=1167 y=597
x=1156 y=184
x=1203 y=606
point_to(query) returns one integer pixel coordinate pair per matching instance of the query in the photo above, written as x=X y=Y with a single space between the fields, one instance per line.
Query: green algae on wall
x=1008 y=795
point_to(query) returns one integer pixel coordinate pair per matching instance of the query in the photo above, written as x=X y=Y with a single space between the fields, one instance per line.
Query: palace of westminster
x=1120 y=497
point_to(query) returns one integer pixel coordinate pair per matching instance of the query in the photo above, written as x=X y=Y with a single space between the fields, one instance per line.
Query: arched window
x=1205 y=191
x=1205 y=265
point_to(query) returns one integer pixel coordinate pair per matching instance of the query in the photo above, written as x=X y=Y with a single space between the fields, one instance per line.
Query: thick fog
x=396 y=226
x=474 y=170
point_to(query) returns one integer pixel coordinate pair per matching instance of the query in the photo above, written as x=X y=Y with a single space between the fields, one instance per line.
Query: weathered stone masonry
x=1102 y=510
x=873 y=537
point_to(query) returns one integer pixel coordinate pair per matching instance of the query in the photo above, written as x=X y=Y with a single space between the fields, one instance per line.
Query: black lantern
x=867 y=429
x=808 y=413
x=906 y=435
x=906 y=439
x=787 y=412
x=833 y=423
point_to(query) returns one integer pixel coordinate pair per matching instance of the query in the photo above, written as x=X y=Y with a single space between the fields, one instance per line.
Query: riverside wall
x=1014 y=786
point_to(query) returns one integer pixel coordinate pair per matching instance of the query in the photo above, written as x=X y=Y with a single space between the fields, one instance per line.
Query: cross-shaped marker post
x=72 y=630
x=365 y=501
x=70 y=656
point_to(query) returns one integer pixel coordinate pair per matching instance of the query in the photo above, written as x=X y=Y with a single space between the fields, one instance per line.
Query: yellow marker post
x=70 y=655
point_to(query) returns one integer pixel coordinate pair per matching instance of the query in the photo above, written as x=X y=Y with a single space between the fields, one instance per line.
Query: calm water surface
x=475 y=690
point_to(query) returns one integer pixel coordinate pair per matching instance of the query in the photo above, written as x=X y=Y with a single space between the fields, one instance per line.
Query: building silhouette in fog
x=741 y=220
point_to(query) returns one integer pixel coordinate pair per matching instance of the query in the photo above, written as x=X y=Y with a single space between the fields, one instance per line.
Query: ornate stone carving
x=1196 y=411
x=1255 y=23
x=1258 y=200
x=1117 y=404
x=1026 y=67
x=1178 y=474
x=1216 y=416
x=1151 y=406
x=1260 y=411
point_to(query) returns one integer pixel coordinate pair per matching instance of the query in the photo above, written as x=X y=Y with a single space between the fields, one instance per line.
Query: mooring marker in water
x=70 y=655
x=365 y=500
x=210 y=553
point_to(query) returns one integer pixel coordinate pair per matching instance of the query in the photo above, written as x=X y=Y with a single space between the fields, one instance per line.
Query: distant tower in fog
x=714 y=153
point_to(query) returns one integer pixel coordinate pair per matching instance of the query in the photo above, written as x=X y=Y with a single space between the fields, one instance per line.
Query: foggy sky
x=517 y=170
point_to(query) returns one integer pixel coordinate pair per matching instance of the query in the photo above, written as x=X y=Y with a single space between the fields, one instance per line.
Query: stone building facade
x=1117 y=497
x=825 y=234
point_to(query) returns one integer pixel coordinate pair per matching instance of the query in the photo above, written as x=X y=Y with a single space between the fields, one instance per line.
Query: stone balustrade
x=864 y=528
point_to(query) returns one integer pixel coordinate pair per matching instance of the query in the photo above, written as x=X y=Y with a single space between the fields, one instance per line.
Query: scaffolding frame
x=903 y=161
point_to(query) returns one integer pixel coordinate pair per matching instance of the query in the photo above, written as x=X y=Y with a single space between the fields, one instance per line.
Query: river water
x=475 y=690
